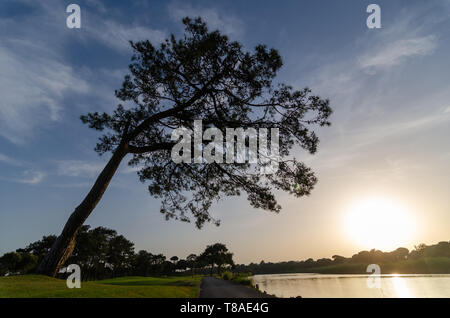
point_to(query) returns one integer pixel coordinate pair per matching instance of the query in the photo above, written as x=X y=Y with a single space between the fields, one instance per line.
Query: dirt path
x=212 y=287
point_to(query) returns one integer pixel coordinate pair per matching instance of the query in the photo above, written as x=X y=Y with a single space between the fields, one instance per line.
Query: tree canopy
x=201 y=77
x=216 y=254
x=102 y=253
x=100 y=256
x=205 y=76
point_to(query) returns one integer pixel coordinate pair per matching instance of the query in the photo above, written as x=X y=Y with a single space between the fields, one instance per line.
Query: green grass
x=151 y=287
x=240 y=278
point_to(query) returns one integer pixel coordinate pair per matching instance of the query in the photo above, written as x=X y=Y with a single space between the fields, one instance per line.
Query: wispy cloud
x=223 y=21
x=10 y=161
x=373 y=101
x=28 y=176
x=117 y=36
x=36 y=78
x=406 y=127
x=31 y=177
x=397 y=51
x=32 y=85
x=78 y=168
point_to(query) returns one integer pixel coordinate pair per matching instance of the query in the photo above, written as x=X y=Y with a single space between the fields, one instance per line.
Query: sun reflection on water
x=400 y=286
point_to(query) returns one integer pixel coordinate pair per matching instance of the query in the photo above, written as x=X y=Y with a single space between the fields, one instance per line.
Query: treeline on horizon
x=423 y=259
x=101 y=253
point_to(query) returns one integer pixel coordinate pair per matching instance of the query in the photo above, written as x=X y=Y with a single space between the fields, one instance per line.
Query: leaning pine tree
x=202 y=76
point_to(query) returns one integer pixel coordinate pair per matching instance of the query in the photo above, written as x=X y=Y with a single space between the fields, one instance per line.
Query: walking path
x=212 y=287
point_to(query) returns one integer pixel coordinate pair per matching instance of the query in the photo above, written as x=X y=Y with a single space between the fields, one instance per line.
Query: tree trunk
x=65 y=243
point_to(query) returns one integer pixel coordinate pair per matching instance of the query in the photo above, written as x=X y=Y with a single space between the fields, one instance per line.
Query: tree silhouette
x=17 y=262
x=182 y=264
x=192 y=262
x=39 y=248
x=217 y=254
x=201 y=76
x=120 y=255
x=142 y=263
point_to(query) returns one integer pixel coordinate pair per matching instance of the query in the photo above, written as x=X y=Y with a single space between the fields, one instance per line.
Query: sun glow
x=379 y=223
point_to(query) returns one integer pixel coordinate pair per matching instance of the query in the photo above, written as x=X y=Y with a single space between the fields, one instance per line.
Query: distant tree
x=399 y=254
x=324 y=262
x=174 y=259
x=419 y=251
x=92 y=250
x=10 y=262
x=338 y=259
x=87 y=253
x=226 y=260
x=202 y=76
x=120 y=255
x=420 y=247
x=142 y=263
x=182 y=264
x=17 y=263
x=28 y=263
x=39 y=248
x=192 y=262
x=168 y=267
x=442 y=249
x=377 y=256
x=217 y=254
x=309 y=262
x=360 y=257
x=159 y=262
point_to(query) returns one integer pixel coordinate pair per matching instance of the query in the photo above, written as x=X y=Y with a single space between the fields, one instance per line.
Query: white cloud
x=31 y=177
x=370 y=91
x=129 y=169
x=35 y=78
x=101 y=7
x=10 y=161
x=375 y=133
x=395 y=52
x=231 y=25
x=32 y=85
x=78 y=168
x=117 y=36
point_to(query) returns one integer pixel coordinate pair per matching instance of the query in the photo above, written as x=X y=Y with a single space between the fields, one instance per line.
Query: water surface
x=344 y=286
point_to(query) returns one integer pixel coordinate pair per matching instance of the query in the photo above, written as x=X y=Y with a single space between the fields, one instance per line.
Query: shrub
x=227 y=275
x=243 y=280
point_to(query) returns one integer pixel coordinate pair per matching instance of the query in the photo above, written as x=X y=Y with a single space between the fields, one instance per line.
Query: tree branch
x=150 y=148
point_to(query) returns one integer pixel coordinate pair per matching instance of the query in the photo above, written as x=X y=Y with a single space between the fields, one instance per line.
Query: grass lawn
x=153 y=287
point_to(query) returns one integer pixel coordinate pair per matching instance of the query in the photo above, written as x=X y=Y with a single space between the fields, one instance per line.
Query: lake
x=345 y=286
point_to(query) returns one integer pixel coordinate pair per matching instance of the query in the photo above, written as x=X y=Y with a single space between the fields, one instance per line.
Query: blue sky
x=389 y=88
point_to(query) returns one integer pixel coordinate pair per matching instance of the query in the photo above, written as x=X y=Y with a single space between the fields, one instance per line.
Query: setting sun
x=378 y=223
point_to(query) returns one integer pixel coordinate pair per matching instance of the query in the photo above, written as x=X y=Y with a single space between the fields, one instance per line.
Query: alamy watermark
x=374 y=279
x=73 y=20
x=234 y=150
x=374 y=19
x=74 y=279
